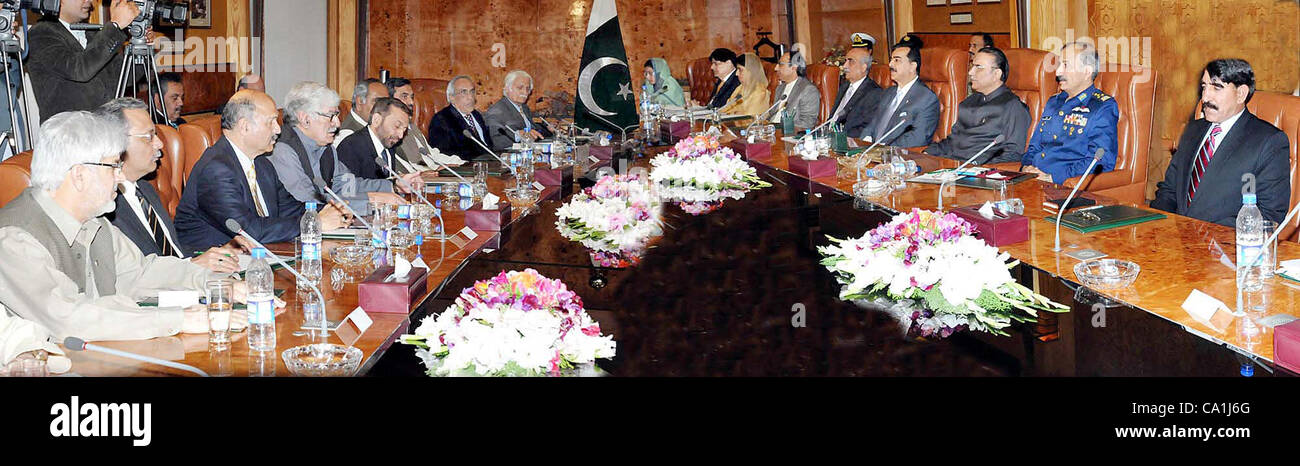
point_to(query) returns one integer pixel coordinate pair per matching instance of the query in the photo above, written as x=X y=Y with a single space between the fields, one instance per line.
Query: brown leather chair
x=1283 y=111
x=1136 y=100
x=944 y=72
x=168 y=180
x=345 y=106
x=700 y=77
x=15 y=176
x=879 y=73
x=1032 y=77
x=194 y=140
x=827 y=80
x=430 y=97
x=211 y=125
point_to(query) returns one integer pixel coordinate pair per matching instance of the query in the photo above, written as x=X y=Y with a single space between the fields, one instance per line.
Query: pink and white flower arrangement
x=514 y=324
x=619 y=214
x=698 y=173
x=946 y=279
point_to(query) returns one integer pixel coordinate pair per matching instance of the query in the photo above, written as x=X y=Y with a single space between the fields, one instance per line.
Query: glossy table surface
x=718 y=293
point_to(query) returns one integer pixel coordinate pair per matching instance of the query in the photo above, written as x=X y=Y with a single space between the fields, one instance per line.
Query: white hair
x=70 y=139
x=307 y=96
x=451 y=85
x=512 y=76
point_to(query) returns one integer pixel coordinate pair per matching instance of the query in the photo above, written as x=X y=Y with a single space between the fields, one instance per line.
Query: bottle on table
x=261 y=303
x=1250 y=244
x=309 y=239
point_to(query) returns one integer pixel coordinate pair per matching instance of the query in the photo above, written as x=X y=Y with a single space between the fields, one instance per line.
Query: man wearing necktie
x=908 y=99
x=389 y=120
x=232 y=180
x=446 y=129
x=510 y=118
x=138 y=211
x=859 y=97
x=414 y=152
x=1220 y=154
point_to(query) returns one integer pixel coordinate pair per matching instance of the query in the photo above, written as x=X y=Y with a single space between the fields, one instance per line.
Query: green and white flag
x=604 y=80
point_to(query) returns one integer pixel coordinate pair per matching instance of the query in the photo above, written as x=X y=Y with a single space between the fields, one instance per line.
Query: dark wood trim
x=363 y=40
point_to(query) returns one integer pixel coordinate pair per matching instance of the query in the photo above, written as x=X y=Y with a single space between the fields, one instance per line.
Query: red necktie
x=1202 y=161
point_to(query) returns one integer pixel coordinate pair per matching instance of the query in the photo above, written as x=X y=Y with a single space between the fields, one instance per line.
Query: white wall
x=294 y=44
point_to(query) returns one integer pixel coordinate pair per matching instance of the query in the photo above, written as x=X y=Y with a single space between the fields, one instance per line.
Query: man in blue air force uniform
x=1075 y=122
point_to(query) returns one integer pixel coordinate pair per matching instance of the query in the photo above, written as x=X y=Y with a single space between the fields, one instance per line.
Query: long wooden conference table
x=717 y=294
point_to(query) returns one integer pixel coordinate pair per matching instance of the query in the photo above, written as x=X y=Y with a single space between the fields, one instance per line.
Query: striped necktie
x=156 y=227
x=1202 y=162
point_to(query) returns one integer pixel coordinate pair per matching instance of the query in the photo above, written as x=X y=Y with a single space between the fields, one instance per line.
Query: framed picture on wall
x=958 y=2
x=936 y=2
x=201 y=13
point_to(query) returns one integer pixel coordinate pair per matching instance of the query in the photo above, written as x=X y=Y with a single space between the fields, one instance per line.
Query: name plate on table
x=380 y=293
x=554 y=176
x=1286 y=345
x=675 y=130
x=478 y=218
x=819 y=168
x=996 y=231
x=752 y=151
x=601 y=152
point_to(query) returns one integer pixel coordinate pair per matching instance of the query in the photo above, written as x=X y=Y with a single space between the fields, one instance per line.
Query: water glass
x=220 y=302
x=1268 y=263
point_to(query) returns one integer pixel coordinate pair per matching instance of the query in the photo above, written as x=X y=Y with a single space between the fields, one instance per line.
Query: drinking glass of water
x=220 y=303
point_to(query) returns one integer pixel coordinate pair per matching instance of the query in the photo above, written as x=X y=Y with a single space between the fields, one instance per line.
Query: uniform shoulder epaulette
x=1100 y=96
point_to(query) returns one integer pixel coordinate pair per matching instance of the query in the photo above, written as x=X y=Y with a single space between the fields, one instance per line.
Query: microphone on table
x=77 y=344
x=621 y=130
x=1061 y=210
x=761 y=116
x=996 y=141
x=320 y=183
x=233 y=225
x=469 y=134
x=380 y=160
x=901 y=120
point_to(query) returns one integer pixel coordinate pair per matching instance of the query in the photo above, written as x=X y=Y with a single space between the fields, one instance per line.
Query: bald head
x=250 y=122
x=251 y=81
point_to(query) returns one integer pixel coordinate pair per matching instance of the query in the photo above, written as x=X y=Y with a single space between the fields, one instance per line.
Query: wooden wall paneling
x=342 y=47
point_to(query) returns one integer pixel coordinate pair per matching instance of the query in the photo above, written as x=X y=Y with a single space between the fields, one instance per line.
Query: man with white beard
x=71 y=271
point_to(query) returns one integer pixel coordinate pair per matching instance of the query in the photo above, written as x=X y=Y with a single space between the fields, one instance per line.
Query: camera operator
x=76 y=69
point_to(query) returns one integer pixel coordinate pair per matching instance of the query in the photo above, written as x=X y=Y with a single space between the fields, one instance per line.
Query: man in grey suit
x=510 y=118
x=798 y=96
x=909 y=99
x=138 y=211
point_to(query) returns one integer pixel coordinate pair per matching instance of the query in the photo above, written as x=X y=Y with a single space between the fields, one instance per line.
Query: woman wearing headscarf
x=664 y=88
x=752 y=97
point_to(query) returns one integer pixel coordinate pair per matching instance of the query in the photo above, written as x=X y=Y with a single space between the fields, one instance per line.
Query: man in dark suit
x=233 y=181
x=173 y=100
x=389 y=120
x=722 y=63
x=859 y=96
x=510 y=117
x=446 y=130
x=77 y=70
x=1227 y=153
x=138 y=210
x=908 y=98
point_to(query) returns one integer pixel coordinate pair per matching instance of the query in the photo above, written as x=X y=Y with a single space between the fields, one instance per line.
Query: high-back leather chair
x=944 y=71
x=430 y=97
x=167 y=181
x=15 y=176
x=1283 y=111
x=827 y=80
x=345 y=106
x=1032 y=77
x=211 y=124
x=701 y=79
x=194 y=140
x=879 y=73
x=1135 y=93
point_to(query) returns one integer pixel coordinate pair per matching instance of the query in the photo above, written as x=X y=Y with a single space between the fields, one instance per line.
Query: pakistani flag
x=604 y=81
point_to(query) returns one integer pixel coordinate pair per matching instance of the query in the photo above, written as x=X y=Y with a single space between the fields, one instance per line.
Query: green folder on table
x=1104 y=218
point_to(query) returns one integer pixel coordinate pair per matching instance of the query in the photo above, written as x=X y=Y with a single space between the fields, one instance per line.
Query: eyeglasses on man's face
x=115 y=166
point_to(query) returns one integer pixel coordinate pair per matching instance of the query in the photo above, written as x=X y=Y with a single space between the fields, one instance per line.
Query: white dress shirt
x=79 y=35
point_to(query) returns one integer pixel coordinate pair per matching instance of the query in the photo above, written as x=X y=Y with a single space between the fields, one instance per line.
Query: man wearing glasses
x=447 y=129
x=139 y=212
x=307 y=151
x=73 y=272
x=859 y=96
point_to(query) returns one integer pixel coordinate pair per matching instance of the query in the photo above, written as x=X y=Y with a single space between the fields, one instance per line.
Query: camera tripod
x=19 y=136
x=139 y=59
